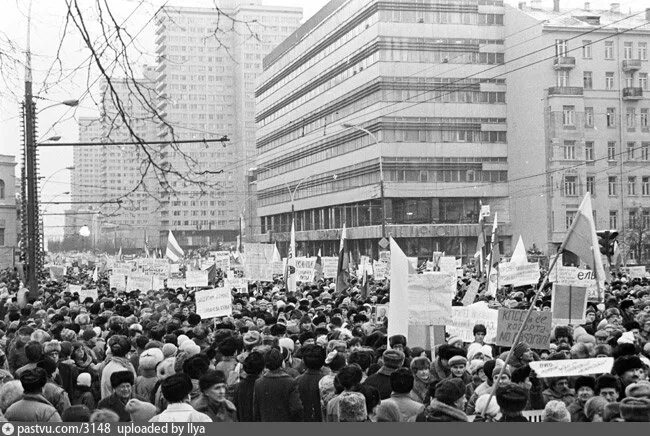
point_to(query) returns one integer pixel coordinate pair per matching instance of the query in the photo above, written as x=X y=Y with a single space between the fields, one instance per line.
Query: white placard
x=196 y=279
x=213 y=303
x=572 y=367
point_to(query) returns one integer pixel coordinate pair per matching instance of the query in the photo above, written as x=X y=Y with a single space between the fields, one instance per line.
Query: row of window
x=633 y=151
x=440 y=17
x=570 y=186
x=207 y=223
x=610 y=84
x=446 y=176
x=633 y=217
x=569 y=117
x=562 y=49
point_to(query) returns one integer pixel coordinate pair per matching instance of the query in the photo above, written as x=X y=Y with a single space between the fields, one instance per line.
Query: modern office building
x=208 y=64
x=384 y=116
x=578 y=113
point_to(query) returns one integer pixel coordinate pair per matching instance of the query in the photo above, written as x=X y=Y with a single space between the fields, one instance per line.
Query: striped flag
x=318 y=267
x=95 y=275
x=290 y=271
x=174 y=251
x=581 y=239
x=343 y=270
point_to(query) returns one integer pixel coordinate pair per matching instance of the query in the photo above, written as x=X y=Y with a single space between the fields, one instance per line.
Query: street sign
x=384 y=243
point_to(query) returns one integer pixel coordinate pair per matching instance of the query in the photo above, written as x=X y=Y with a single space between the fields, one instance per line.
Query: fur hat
x=640 y=389
x=119 y=345
x=450 y=390
x=150 y=358
x=189 y=347
x=119 y=377
x=519 y=349
x=252 y=338
x=626 y=363
x=352 y=407
x=635 y=409
x=397 y=340
x=40 y=336
x=585 y=380
x=393 y=359
x=611 y=411
x=457 y=360
x=84 y=379
x=169 y=350
x=511 y=397
x=594 y=405
x=476 y=365
x=556 y=411
x=607 y=381
x=166 y=368
x=140 y=411
x=51 y=346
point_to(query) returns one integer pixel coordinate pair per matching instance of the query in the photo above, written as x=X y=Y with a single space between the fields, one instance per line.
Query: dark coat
x=116 y=405
x=310 y=395
x=218 y=411
x=381 y=381
x=85 y=396
x=276 y=398
x=242 y=398
x=438 y=411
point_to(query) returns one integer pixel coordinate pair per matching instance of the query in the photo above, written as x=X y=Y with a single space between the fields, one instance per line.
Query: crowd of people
x=312 y=355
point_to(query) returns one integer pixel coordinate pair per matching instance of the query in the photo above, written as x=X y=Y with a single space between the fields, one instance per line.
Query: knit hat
x=519 y=349
x=51 y=346
x=635 y=409
x=583 y=381
x=387 y=411
x=473 y=349
x=286 y=343
x=457 y=360
x=352 y=407
x=169 y=350
x=476 y=365
x=140 y=411
x=181 y=339
x=626 y=338
x=450 y=390
x=84 y=379
x=492 y=410
x=393 y=359
x=166 y=368
x=252 y=338
x=189 y=347
x=454 y=340
x=556 y=411
x=511 y=397
x=593 y=406
x=150 y=358
x=640 y=389
x=119 y=377
x=626 y=363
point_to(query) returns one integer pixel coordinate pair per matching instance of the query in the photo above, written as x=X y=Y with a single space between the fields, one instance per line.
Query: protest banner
x=196 y=279
x=241 y=285
x=636 y=272
x=174 y=268
x=429 y=297
x=158 y=282
x=221 y=259
x=74 y=288
x=511 y=273
x=258 y=261
x=470 y=294
x=568 y=304
x=57 y=272
x=536 y=333
x=380 y=270
x=175 y=283
x=447 y=265
x=85 y=293
x=140 y=282
x=305 y=269
x=413 y=261
x=117 y=281
x=330 y=264
x=7 y=259
x=464 y=318
x=572 y=367
x=569 y=275
x=213 y=303
x=121 y=270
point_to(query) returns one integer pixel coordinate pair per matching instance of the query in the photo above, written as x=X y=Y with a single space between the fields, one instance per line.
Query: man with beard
x=558 y=389
x=629 y=369
x=585 y=388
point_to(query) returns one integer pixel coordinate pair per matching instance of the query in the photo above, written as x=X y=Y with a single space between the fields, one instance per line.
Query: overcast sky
x=48 y=19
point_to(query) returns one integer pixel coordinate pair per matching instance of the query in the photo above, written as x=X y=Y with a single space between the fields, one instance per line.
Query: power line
x=107 y=144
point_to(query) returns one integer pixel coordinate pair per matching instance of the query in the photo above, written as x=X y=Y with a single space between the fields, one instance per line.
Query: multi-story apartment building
x=208 y=62
x=8 y=211
x=374 y=100
x=578 y=113
x=86 y=182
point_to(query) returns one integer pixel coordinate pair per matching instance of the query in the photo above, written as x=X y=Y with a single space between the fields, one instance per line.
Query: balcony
x=564 y=63
x=565 y=90
x=632 y=93
x=630 y=65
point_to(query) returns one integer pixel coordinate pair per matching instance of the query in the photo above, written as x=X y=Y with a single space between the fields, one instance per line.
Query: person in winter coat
x=212 y=400
x=585 y=388
x=122 y=385
x=440 y=367
x=558 y=389
x=176 y=389
x=84 y=394
x=276 y=397
x=146 y=381
x=242 y=396
x=33 y=353
x=33 y=407
x=119 y=347
x=393 y=359
x=313 y=358
x=447 y=403
x=347 y=380
x=421 y=370
x=512 y=400
x=54 y=393
x=401 y=382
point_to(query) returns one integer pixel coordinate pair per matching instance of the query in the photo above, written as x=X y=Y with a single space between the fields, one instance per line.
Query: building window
x=630 y=150
x=609 y=49
x=2 y=237
x=630 y=117
x=569 y=150
x=568 y=219
x=631 y=186
x=611 y=150
x=568 y=115
x=643 y=81
x=645 y=218
x=562 y=78
x=612 y=185
x=570 y=186
x=588 y=80
x=589 y=151
x=561 y=47
x=645 y=186
x=645 y=151
x=643 y=51
x=632 y=218
x=643 y=119
x=591 y=185
x=613 y=219
x=2 y=190
x=629 y=81
x=611 y=117
x=589 y=117
x=627 y=50
x=586 y=49
x=609 y=80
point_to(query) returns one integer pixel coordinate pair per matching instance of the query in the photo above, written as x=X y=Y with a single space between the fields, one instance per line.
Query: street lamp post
x=381 y=173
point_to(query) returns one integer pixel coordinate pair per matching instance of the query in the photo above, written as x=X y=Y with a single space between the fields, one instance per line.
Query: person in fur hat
x=629 y=369
x=447 y=403
x=122 y=385
x=33 y=407
x=559 y=389
x=212 y=401
x=585 y=388
x=119 y=347
x=512 y=400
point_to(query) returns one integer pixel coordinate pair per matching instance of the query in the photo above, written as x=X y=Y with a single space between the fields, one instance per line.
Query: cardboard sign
x=85 y=293
x=140 y=282
x=380 y=270
x=447 y=265
x=117 y=281
x=569 y=275
x=57 y=272
x=330 y=265
x=464 y=318
x=513 y=274
x=175 y=283
x=537 y=332
x=74 y=288
x=213 y=303
x=636 y=272
x=430 y=298
x=305 y=269
x=196 y=279
x=158 y=282
x=174 y=268
x=221 y=259
x=572 y=367
x=258 y=260
x=241 y=285
x=470 y=294
x=569 y=304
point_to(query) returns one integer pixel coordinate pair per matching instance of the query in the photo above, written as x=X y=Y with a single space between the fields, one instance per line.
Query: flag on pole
x=364 y=281
x=398 y=314
x=95 y=275
x=519 y=256
x=581 y=239
x=617 y=258
x=119 y=254
x=290 y=271
x=495 y=255
x=343 y=269
x=146 y=251
x=318 y=267
x=174 y=251
x=480 y=241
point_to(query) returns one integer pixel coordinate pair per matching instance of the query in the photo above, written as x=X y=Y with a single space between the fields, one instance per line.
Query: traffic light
x=606 y=239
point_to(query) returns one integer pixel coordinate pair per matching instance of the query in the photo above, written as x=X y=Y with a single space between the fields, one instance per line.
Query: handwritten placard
x=464 y=318
x=536 y=333
x=196 y=279
x=572 y=367
x=430 y=298
x=213 y=303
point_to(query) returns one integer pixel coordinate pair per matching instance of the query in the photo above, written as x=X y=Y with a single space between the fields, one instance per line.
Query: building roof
x=582 y=19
